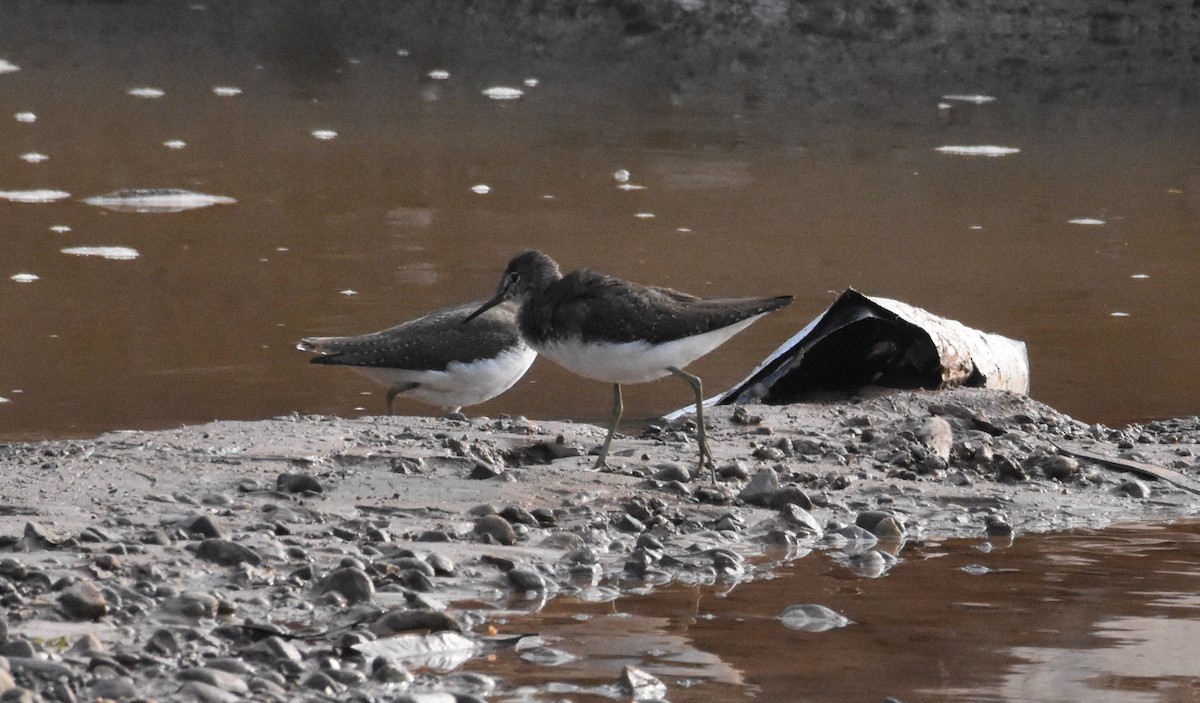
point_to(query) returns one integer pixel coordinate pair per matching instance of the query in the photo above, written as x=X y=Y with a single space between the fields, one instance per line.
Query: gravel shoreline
x=297 y=558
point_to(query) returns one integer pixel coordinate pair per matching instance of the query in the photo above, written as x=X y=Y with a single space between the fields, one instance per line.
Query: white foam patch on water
x=156 y=200
x=348 y=291
x=1140 y=276
x=324 y=134
x=226 y=91
x=34 y=157
x=146 y=92
x=25 y=117
x=7 y=66
x=1092 y=221
x=1119 y=314
x=115 y=253
x=43 y=195
x=621 y=175
x=438 y=74
x=25 y=277
x=175 y=144
x=401 y=52
x=531 y=82
x=974 y=99
x=644 y=215
x=978 y=150
x=481 y=188
x=503 y=92
x=630 y=186
x=60 y=229
x=4 y=400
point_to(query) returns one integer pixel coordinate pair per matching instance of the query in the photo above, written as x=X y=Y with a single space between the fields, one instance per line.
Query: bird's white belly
x=636 y=362
x=461 y=383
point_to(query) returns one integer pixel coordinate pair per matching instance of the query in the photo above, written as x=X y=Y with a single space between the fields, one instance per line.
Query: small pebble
x=352 y=583
x=761 y=489
x=227 y=553
x=298 y=483
x=83 y=601
x=497 y=528
x=525 y=580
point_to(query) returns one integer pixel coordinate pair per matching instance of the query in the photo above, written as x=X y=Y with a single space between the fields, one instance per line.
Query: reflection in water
x=1108 y=616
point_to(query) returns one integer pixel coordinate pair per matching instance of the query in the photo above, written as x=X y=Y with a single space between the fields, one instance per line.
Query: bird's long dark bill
x=496 y=300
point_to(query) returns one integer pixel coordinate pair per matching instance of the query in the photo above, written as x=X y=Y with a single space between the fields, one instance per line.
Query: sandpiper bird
x=612 y=330
x=435 y=358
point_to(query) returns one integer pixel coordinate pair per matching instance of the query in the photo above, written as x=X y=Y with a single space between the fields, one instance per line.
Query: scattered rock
x=761 y=489
x=1060 y=468
x=1133 y=487
x=525 y=580
x=496 y=528
x=351 y=582
x=227 y=553
x=206 y=526
x=83 y=601
x=298 y=483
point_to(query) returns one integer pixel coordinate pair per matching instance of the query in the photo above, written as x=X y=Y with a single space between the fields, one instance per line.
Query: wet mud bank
x=313 y=558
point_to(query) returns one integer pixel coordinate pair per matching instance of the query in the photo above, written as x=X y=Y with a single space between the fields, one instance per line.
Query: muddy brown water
x=1084 y=243
x=1108 y=615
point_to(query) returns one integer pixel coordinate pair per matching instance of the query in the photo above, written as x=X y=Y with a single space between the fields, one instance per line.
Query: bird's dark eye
x=513 y=277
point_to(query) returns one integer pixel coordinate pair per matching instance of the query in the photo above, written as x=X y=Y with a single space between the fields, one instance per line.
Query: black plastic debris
x=862 y=341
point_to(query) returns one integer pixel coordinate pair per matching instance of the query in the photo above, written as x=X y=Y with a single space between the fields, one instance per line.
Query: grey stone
x=116 y=688
x=441 y=564
x=935 y=433
x=83 y=601
x=1061 y=468
x=998 y=526
x=227 y=553
x=762 y=487
x=524 y=580
x=275 y=650
x=396 y=621
x=790 y=494
x=518 y=515
x=351 y=582
x=193 y=604
x=1008 y=470
x=163 y=643
x=201 y=692
x=1133 y=487
x=223 y=680
x=298 y=483
x=880 y=523
x=672 y=472
x=801 y=520
x=497 y=528
x=207 y=526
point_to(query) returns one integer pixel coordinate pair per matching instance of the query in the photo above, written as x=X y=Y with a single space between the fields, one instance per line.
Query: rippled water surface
x=347 y=199
x=1085 y=616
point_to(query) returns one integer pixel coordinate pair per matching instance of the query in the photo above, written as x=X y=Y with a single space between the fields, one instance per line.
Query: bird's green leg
x=618 y=408
x=701 y=435
x=395 y=391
